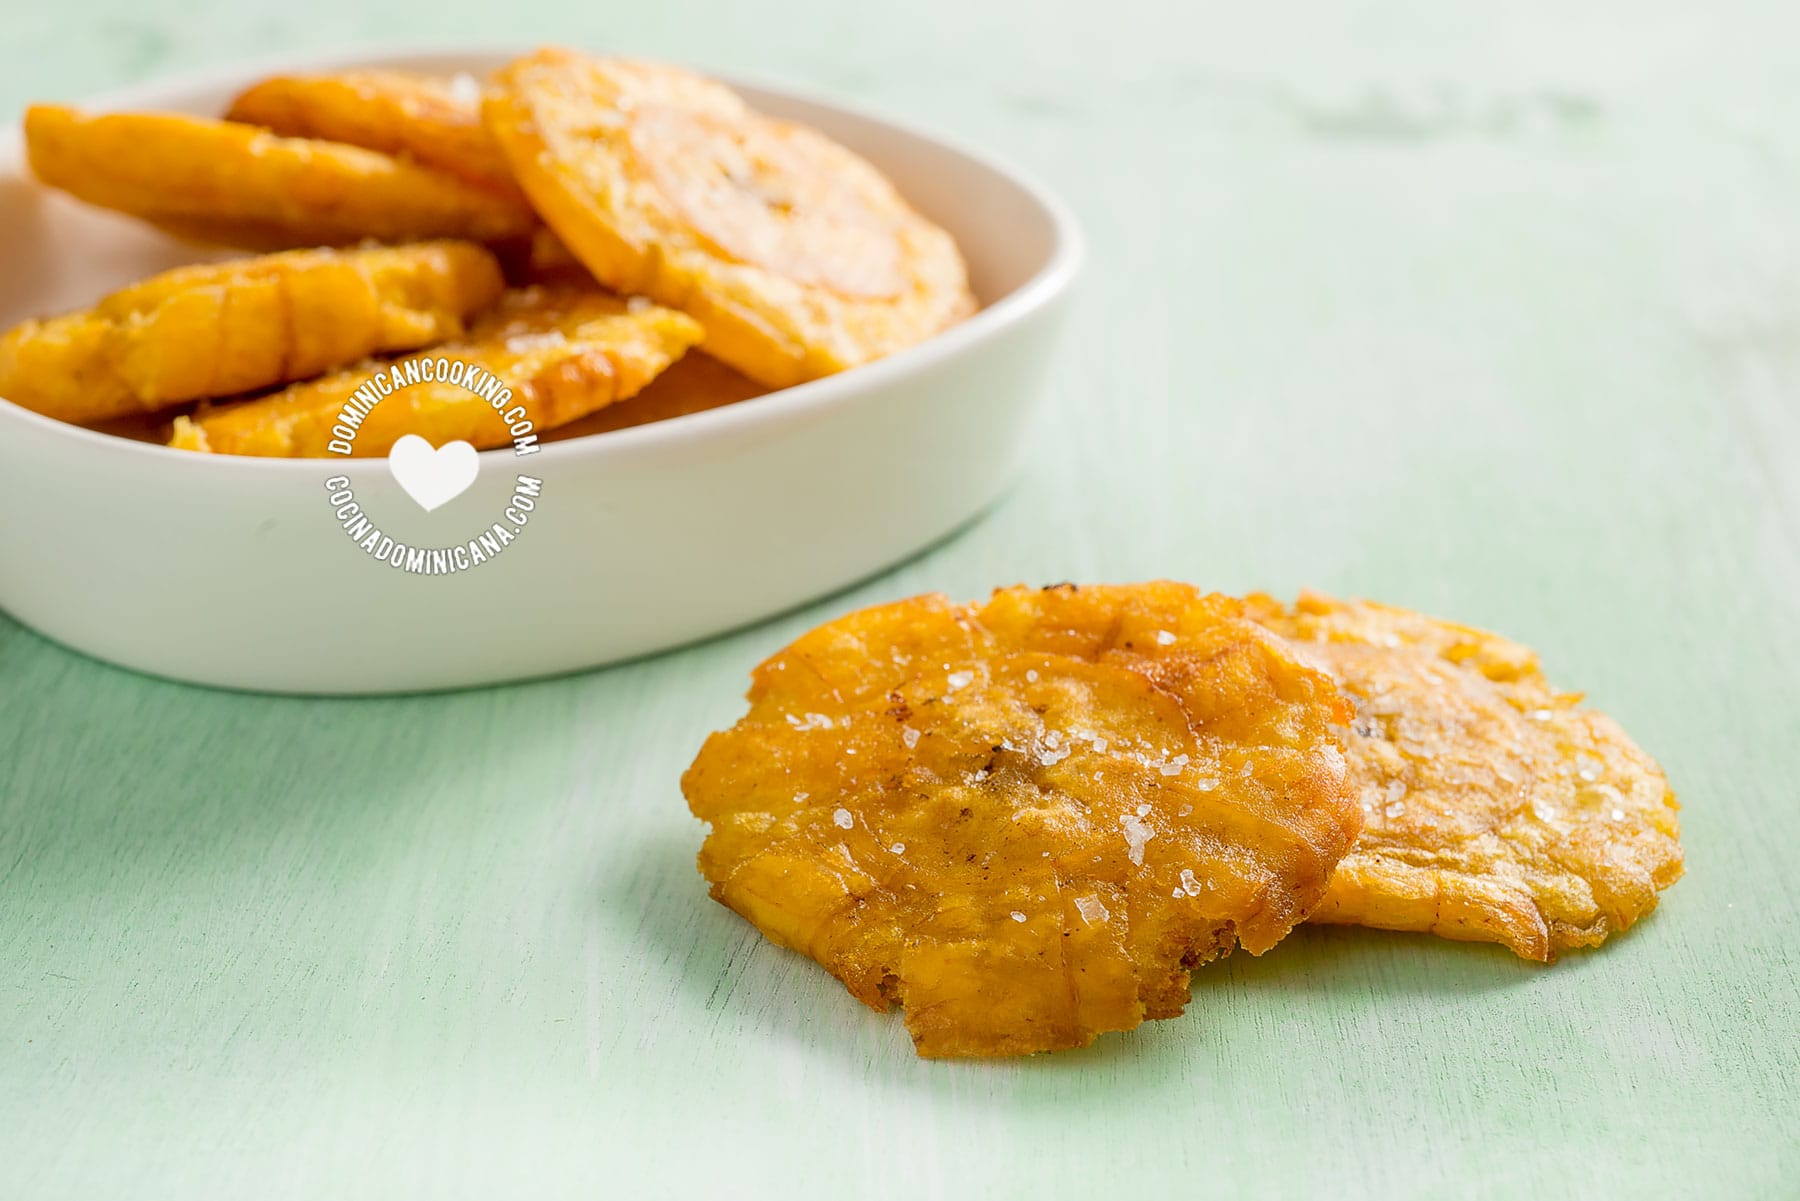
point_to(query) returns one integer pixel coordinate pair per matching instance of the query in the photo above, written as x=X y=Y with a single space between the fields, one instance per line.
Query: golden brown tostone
x=564 y=353
x=798 y=257
x=1027 y=821
x=1495 y=809
x=240 y=185
x=428 y=119
x=218 y=329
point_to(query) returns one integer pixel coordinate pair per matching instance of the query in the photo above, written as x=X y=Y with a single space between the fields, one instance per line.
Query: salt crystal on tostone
x=1137 y=833
x=842 y=819
x=525 y=343
x=465 y=90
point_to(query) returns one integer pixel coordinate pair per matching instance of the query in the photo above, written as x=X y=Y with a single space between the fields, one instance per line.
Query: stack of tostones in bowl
x=573 y=225
x=1027 y=821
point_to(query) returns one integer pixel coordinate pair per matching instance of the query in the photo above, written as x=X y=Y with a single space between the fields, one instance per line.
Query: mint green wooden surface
x=1490 y=310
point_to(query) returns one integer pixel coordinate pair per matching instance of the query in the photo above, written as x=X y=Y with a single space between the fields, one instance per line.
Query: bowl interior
x=62 y=254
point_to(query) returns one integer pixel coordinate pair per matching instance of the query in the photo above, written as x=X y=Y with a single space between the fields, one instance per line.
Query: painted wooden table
x=1489 y=310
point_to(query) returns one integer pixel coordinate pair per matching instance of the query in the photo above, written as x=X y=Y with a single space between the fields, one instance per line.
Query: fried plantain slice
x=798 y=257
x=431 y=120
x=1027 y=821
x=563 y=352
x=224 y=328
x=1495 y=809
x=226 y=182
x=695 y=384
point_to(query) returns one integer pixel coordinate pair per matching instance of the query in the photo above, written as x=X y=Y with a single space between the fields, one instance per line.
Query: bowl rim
x=1052 y=278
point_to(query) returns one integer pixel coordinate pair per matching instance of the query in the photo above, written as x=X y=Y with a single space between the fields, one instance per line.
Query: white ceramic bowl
x=235 y=572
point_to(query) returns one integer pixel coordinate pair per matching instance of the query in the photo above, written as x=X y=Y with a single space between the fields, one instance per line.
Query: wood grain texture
x=1488 y=310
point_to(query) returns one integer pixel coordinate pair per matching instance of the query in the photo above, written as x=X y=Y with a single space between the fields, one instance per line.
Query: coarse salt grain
x=1137 y=834
x=525 y=343
x=465 y=90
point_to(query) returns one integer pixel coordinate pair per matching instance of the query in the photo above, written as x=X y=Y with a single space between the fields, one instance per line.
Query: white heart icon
x=433 y=476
